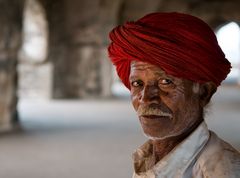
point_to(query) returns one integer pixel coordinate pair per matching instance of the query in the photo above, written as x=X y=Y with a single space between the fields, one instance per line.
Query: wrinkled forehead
x=141 y=66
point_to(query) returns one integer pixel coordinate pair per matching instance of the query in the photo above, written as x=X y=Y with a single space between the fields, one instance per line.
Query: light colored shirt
x=200 y=155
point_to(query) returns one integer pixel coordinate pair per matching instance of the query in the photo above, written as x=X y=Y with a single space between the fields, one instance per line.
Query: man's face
x=167 y=106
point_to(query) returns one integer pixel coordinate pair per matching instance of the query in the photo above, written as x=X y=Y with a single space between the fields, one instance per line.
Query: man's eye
x=165 y=81
x=137 y=83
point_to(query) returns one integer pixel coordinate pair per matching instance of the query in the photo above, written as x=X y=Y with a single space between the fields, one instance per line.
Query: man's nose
x=150 y=93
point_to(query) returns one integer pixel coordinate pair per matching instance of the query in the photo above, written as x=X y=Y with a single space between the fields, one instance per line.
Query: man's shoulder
x=218 y=159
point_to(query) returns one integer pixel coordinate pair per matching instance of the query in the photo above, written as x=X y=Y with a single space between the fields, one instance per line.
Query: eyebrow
x=133 y=77
x=160 y=72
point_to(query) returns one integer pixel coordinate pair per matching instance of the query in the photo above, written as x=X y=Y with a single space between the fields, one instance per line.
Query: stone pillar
x=78 y=38
x=10 y=41
x=57 y=46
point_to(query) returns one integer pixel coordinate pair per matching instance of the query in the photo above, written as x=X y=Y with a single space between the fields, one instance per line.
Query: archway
x=228 y=37
x=35 y=72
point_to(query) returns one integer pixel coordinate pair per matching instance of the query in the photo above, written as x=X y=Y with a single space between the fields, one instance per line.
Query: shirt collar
x=177 y=161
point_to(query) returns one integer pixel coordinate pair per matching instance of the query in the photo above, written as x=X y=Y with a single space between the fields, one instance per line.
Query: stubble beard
x=196 y=113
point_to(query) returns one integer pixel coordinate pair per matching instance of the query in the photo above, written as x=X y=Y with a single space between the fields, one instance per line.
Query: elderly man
x=172 y=64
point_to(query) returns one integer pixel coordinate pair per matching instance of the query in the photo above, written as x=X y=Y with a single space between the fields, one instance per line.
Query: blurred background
x=63 y=111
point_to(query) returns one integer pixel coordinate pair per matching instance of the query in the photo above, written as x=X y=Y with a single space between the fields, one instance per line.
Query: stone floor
x=91 y=139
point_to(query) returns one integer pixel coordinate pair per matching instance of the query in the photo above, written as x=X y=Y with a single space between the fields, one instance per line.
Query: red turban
x=180 y=44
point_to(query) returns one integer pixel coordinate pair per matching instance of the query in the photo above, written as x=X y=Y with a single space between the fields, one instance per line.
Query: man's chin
x=154 y=123
x=152 y=136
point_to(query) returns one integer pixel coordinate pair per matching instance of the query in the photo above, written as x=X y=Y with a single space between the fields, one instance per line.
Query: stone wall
x=214 y=12
x=77 y=65
x=10 y=40
x=78 y=37
x=34 y=71
x=77 y=46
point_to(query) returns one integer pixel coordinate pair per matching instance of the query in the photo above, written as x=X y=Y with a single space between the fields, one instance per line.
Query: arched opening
x=34 y=70
x=118 y=89
x=229 y=40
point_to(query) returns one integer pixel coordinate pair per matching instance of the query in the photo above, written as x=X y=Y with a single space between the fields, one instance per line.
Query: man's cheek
x=135 y=103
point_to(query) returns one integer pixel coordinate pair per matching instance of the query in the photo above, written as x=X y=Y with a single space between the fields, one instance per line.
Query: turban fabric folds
x=180 y=44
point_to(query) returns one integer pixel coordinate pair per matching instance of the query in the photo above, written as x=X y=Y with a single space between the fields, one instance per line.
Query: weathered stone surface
x=77 y=65
x=106 y=73
x=79 y=35
x=10 y=40
x=132 y=10
x=35 y=81
x=8 y=99
x=83 y=78
x=35 y=75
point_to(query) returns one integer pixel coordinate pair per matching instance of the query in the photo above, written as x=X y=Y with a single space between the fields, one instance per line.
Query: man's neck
x=162 y=147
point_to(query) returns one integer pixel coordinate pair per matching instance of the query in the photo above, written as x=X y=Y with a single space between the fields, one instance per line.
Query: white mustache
x=144 y=111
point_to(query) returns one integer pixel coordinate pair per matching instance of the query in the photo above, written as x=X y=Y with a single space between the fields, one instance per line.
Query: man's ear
x=206 y=92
